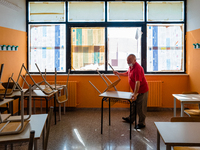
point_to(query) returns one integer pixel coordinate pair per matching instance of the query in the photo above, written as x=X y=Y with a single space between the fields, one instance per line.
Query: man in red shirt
x=138 y=84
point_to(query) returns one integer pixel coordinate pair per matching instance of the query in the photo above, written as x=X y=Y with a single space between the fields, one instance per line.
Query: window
x=86 y=12
x=165 y=48
x=47 y=47
x=125 y=11
x=123 y=41
x=88 y=48
x=165 y=11
x=87 y=35
x=46 y=11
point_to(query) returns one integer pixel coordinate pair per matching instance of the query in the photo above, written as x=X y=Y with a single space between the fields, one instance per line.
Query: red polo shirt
x=137 y=74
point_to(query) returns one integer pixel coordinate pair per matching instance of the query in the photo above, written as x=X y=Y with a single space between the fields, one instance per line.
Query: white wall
x=13 y=14
x=193 y=11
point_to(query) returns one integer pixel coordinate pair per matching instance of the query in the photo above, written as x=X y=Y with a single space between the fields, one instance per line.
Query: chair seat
x=47 y=90
x=2 y=91
x=62 y=99
x=186 y=148
x=192 y=112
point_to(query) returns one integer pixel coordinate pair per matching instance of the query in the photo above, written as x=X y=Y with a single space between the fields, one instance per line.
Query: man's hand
x=115 y=72
x=134 y=97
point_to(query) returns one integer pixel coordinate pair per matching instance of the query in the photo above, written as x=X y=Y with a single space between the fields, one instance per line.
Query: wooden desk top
x=5 y=116
x=58 y=87
x=117 y=94
x=179 y=133
x=36 y=123
x=6 y=101
x=35 y=93
x=187 y=97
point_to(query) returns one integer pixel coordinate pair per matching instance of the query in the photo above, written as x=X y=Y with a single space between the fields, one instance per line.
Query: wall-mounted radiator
x=155 y=94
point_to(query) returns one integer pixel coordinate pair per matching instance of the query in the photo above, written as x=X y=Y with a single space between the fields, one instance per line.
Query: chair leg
x=64 y=108
x=34 y=109
x=60 y=111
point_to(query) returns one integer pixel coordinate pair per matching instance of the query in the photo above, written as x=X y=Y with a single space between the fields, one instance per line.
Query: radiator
x=155 y=94
x=72 y=92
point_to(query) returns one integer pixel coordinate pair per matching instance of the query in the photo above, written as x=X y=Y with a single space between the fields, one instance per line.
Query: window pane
x=165 y=48
x=165 y=11
x=125 y=11
x=47 y=48
x=86 y=12
x=88 y=48
x=46 y=11
x=122 y=42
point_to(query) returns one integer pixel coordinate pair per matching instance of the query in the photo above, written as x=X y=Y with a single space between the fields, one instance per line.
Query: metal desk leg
x=168 y=147
x=102 y=115
x=135 y=115
x=174 y=107
x=44 y=133
x=55 y=107
x=130 y=118
x=47 y=105
x=34 y=108
x=158 y=140
x=182 y=109
x=28 y=106
x=11 y=107
x=35 y=144
x=109 y=113
x=19 y=106
x=41 y=105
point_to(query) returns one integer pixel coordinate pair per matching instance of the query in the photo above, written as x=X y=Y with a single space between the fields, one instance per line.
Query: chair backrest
x=185 y=119
x=48 y=128
x=31 y=140
x=190 y=92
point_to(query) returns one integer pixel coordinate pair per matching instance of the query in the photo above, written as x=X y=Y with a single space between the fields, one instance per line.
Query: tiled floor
x=79 y=129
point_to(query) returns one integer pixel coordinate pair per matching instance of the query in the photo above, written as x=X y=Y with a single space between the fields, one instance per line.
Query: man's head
x=131 y=59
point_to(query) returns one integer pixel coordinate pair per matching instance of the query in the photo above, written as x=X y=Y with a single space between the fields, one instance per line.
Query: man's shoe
x=127 y=119
x=140 y=126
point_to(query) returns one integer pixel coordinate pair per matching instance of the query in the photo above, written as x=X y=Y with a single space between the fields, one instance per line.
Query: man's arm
x=135 y=93
x=121 y=74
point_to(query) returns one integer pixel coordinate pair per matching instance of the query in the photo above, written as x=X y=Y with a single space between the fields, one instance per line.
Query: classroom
x=67 y=71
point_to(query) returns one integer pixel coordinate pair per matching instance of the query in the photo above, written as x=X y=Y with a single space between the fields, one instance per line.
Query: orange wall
x=12 y=60
x=88 y=96
x=193 y=60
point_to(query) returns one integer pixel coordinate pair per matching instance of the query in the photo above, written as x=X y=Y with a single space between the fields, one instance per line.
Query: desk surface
x=5 y=116
x=179 y=133
x=6 y=101
x=35 y=93
x=117 y=94
x=36 y=123
x=187 y=97
x=58 y=86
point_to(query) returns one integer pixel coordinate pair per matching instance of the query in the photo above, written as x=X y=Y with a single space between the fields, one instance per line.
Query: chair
x=185 y=119
x=31 y=140
x=63 y=98
x=46 y=137
x=2 y=109
x=192 y=112
x=186 y=148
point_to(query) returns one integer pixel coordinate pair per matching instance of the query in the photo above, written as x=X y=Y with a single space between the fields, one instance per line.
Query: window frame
x=142 y=24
